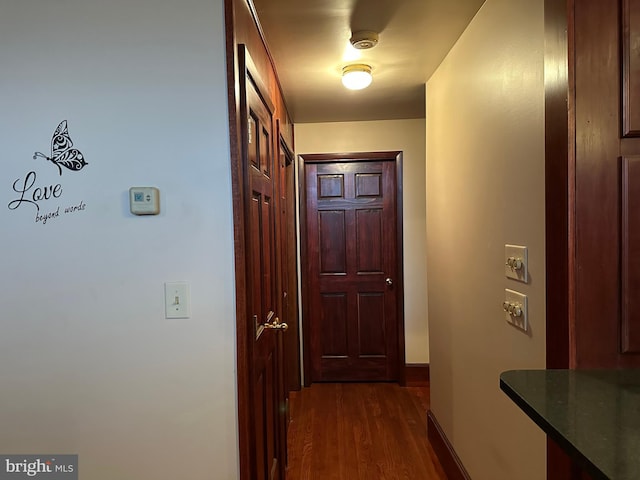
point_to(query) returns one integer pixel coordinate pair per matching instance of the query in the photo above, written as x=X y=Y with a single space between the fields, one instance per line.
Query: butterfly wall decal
x=62 y=155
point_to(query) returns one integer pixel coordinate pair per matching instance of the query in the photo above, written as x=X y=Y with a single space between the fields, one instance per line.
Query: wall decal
x=61 y=151
x=29 y=193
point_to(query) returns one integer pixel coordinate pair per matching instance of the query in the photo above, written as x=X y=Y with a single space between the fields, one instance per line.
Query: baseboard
x=416 y=375
x=444 y=450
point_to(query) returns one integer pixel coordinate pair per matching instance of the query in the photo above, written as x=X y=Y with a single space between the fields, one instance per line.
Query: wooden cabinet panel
x=607 y=195
x=592 y=94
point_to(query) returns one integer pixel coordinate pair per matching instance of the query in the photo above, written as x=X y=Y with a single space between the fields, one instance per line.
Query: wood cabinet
x=592 y=104
x=607 y=183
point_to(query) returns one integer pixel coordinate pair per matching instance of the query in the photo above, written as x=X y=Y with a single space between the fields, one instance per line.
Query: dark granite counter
x=594 y=415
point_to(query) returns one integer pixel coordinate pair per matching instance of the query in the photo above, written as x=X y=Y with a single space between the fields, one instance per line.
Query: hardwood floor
x=360 y=432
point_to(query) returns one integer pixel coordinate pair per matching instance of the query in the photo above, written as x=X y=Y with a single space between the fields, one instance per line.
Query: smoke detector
x=364 y=39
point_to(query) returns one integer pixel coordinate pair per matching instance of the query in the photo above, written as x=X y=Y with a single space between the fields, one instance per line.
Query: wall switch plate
x=144 y=200
x=176 y=300
x=515 y=309
x=516 y=263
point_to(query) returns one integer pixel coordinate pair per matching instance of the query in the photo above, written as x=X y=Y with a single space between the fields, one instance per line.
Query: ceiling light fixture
x=356 y=77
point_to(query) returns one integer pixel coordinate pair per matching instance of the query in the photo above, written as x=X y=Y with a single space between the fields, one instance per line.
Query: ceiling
x=309 y=42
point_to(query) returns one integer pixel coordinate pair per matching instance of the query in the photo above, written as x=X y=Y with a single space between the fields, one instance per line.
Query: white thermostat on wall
x=144 y=200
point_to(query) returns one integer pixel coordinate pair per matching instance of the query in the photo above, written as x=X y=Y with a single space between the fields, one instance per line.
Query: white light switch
x=515 y=309
x=516 y=263
x=176 y=300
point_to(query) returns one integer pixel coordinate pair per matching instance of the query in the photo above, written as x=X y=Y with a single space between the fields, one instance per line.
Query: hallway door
x=266 y=393
x=353 y=282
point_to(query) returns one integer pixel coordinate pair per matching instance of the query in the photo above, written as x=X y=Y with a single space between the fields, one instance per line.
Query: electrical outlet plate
x=516 y=252
x=517 y=298
x=176 y=300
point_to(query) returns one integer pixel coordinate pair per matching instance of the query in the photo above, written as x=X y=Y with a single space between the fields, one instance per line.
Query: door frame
x=560 y=190
x=289 y=268
x=559 y=91
x=307 y=158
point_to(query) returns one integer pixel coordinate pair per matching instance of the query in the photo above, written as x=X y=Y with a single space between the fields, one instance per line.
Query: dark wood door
x=266 y=392
x=352 y=271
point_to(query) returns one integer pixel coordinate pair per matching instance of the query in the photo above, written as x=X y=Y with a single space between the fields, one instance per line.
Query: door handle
x=276 y=325
x=389 y=281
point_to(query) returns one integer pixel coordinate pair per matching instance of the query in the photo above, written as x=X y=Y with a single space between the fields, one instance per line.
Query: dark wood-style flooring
x=360 y=432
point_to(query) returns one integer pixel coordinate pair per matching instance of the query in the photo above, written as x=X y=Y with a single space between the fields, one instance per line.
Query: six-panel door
x=352 y=265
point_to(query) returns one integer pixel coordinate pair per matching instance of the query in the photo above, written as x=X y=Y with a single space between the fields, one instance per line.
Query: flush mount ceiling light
x=356 y=77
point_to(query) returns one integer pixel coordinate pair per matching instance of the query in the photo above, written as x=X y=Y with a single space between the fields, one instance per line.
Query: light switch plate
x=144 y=200
x=176 y=300
x=517 y=299
x=516 y=252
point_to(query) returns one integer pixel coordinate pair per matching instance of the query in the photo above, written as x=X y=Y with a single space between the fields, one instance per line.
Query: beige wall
x=408 y=136
x=485 y=182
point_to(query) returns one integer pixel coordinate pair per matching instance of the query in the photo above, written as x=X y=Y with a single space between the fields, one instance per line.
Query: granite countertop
x=594 y=415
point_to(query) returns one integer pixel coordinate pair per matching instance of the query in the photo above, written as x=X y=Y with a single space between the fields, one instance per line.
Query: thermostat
x=144 y=200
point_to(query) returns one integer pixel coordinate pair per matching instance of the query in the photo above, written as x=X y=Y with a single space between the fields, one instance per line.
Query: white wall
x=88 y=363
x=388 y=135
x=485 y=183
